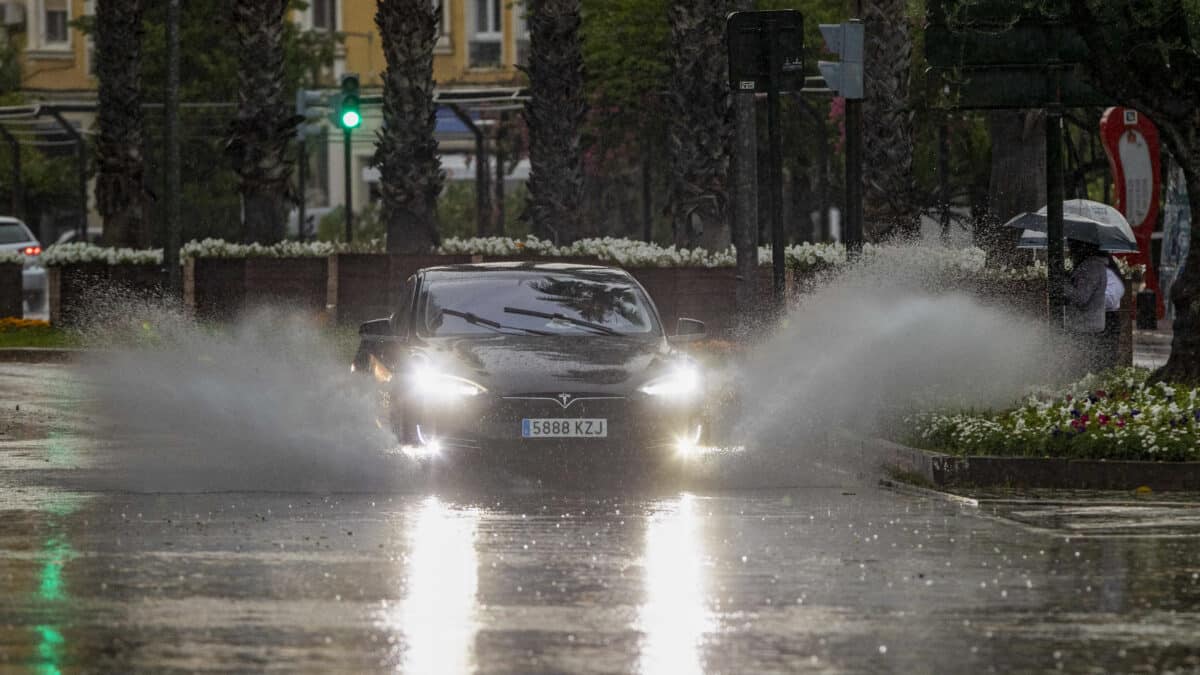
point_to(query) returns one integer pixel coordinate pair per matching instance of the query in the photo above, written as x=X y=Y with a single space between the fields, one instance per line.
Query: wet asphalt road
x=850 y=578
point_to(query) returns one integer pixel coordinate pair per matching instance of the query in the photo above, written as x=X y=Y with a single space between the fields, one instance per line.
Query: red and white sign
x=1131 y=142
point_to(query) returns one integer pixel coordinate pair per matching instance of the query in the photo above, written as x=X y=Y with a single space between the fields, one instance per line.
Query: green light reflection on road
x=50 y=645
x=52 y=587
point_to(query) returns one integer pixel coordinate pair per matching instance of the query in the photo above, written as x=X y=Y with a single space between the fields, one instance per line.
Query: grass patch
x=23 y=333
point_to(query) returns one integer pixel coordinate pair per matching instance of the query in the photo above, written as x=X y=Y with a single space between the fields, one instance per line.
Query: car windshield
x=533 y=302
x=14 y=233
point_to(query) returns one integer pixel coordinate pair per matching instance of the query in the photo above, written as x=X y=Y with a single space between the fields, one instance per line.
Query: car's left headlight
x=433 y=385
x=682 y=383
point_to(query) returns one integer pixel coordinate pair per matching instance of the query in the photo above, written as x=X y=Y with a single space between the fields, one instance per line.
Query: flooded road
x=814 y=579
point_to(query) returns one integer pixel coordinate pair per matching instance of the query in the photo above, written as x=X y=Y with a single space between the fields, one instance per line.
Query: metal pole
x=1054 y=215
x=302 y=179
x=482 y=206
x=944 y=178
x=174 y=227
x=647 y=196
x=745 y=200
x=349 y=190
x=81 y=156
x=776 y=150
x=18 y=194
x=501 y=136
x=852 y=228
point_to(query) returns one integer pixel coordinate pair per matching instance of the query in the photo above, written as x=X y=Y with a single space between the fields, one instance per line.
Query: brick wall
x=11 y=296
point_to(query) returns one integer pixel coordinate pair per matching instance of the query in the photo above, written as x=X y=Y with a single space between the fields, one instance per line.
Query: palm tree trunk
x=410 y=171
x=554 y=115
x=701 y=123
x=888 y=195
x=264 y=125
x=120 y=194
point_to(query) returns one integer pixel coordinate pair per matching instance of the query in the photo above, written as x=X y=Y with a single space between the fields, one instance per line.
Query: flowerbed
x=12 y=258
x=16 y=332
x=1113 y=416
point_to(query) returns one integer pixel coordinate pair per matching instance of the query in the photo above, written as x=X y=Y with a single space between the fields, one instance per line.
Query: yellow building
x=55 y=58
x=480 y=46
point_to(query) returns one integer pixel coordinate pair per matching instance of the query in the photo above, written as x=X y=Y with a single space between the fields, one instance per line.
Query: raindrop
x=882 y=649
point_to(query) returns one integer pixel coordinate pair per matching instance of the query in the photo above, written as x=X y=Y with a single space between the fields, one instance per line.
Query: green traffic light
x=351 y=119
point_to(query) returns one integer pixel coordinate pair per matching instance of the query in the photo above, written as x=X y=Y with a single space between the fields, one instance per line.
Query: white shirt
x=1114 y=290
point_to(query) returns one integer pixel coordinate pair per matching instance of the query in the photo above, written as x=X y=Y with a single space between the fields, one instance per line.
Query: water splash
x=262 y=404
x=882 y=339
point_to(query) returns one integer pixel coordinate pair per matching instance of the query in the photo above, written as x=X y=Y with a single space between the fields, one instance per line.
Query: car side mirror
x=688 y=330
x=378 y=330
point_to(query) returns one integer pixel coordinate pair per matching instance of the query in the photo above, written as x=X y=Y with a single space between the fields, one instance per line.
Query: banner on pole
x=1131 y=143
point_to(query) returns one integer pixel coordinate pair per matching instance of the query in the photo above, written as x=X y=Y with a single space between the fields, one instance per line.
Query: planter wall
x=223 y=288
x=72 y=288
x=11 y=294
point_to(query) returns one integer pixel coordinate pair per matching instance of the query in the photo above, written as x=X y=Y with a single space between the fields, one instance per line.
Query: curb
x=938 y=470
x=916 y=491
x=40 y=355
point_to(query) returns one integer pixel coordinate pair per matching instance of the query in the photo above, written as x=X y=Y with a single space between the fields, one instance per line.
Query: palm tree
x=554 y=114
x=406 y=152
x=264 y=125
x=888 y=194
x=120 y=195
x=700 y=122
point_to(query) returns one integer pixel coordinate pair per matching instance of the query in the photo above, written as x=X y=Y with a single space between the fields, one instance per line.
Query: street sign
x=748 y=40
x=845 y=78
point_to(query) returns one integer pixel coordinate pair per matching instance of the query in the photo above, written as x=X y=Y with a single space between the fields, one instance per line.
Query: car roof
x=532 y=266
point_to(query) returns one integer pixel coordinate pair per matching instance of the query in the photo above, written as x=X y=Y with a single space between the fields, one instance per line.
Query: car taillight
x=32 y=250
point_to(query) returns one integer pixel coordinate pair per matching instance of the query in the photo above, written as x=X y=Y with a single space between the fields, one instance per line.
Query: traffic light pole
x=777 y=244
x=349 y=190
x=852 y=232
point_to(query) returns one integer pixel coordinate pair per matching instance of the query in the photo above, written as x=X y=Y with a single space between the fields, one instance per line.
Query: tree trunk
x=888 y=195
x=700 y=123
x=1183 y=366
x=406 y=151
x=265 y=124
x=1018 y=181
x=554 y=115
x=120 y=194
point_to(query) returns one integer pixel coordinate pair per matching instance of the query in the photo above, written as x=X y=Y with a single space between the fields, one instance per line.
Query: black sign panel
x=748 y=36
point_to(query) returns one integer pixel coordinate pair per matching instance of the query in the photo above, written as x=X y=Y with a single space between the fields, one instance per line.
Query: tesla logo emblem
x=564 y=399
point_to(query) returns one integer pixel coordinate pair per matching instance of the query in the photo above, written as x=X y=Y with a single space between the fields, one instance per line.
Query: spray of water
x=878 y=341
x=263 y=404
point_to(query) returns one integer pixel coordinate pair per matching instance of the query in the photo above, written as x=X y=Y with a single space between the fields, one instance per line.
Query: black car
x=534 y=363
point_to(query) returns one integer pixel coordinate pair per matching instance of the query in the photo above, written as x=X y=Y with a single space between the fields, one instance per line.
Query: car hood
x=508 y=365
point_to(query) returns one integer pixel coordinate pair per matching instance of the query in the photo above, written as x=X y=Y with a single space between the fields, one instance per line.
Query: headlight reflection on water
x=674 y=617
x=437 y=616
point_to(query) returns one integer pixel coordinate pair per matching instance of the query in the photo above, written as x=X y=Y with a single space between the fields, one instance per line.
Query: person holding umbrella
x=1085 y=296
x=1092 y=230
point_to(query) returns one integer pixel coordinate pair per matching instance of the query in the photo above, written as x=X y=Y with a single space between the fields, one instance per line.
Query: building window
x=324 y=15
x=522 y=33
x=487 y=36
x=442 y=9
x=55 y=17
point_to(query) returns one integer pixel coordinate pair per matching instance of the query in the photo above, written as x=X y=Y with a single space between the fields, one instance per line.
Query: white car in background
x=15 y=236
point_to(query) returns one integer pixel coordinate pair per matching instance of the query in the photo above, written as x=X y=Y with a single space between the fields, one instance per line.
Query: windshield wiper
x=476 y=320
x=562 y=317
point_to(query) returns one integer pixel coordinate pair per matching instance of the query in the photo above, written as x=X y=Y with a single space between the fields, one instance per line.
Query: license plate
x=558 y=427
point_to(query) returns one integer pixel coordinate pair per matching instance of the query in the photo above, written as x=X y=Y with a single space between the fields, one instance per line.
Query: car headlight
x=682 y=383
x=431 y=384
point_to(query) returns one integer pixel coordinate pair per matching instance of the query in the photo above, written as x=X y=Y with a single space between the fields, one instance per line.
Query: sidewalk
x=1152 y=347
